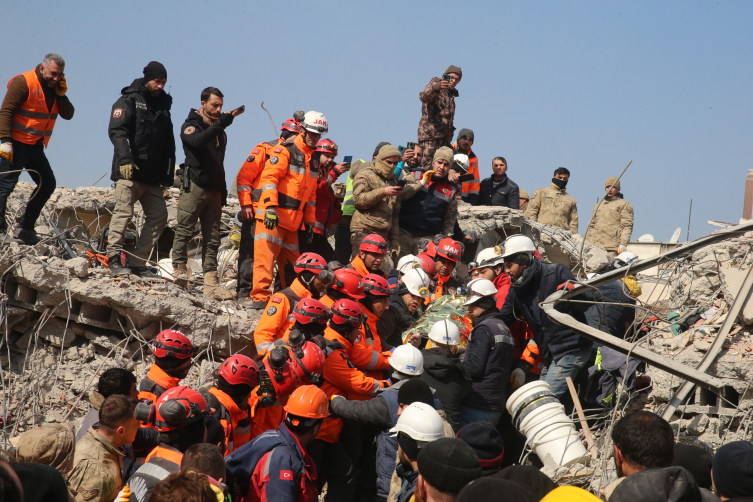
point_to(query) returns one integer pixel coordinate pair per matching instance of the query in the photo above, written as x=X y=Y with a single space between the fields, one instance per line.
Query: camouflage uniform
x=437 y=114
x=97 y=465
x=554 y=207
x=612 y=225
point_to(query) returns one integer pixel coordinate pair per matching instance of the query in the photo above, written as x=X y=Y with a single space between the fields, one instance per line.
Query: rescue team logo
x=276 y=299
x=117 y=113
x=250 y=158
x=451 y=291
x=189 y=130
x=286 y=475
x=271 y=310
x=273 y=160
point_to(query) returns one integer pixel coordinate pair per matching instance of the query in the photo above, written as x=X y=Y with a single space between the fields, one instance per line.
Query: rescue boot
x=212 y=288
x=28 y=237
x=116 y=267
x=181 y=275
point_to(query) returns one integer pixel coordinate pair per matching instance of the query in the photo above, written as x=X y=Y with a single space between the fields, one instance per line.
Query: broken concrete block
x=697 y=425
x=701 y=345
x=55 y=332
x=733 y=279
x=78 y=266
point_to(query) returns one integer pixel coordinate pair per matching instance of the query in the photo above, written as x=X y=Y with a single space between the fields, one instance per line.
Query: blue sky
x=585 y=85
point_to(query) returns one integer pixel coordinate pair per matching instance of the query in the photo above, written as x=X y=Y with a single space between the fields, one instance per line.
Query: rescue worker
x=613 y=313
x=469 y=189
x=371 y=254
x=460 y=166
x=27 y=118
x=203 y=192
x=311 y=317
x=312 y=278
x=348 y=283
x=276 y=465
x=436 y=128
x=404 y=309
x=236 y=378
x=553 y=206
x=98 y=458
x=564 y=351
x=287 y=200
x=433 y=210
x=444 y=371
x=447 y=256
x=612 y=221
x=178 y=415
x=523 y=198
x=247 y=180
x=374 y=304
x=343 y=245
x=328 y=211
x=278 y=380
x=341 y=377
x=488 y=356
x=172 y=361
x=376 y=197
x=141 y=131
x=498 y=189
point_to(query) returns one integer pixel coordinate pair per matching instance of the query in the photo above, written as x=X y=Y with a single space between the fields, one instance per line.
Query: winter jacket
x=234 y=420
x=612 y=225
x=445 y=373
x=247 y=180
x=433 y=210
x=394 y=322
x=612 y=319
x=554 y=207
x=204 y=146
x=666 y=484
x=328 y=211
x=488 y=362
x=141 y=130
x=470 y=189
x=408 y=480
x=97 y=467
x=375 y=211
x=437 y=113
x=538 y=282
x=506 y=193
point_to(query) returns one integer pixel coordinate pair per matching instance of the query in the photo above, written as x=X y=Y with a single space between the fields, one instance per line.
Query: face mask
x=560 y=183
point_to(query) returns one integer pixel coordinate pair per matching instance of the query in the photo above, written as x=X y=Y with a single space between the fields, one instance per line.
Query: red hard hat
x=308 y=362
x=450 y=249
x=348 y=281
x=291 y=125
x=427 y=263
x=327 y=146
x=376 y=285
x=308 y=310
x=374 y=243
x=171 y=343
x=240 y=370
x=175 y=408
x=347 y=312
x=310 y=261
x=282 y=374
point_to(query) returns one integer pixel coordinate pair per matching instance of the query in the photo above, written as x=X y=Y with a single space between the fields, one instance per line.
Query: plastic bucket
x=535 y=418
x=559 y=441
x=525 y=394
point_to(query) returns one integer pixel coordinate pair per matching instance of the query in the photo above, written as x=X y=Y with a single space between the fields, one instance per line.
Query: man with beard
x=470 y=189
x=404 y=308
x=553 y=206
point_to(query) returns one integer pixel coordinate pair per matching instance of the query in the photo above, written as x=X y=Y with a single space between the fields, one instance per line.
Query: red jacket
x=519 y=329
x=328 y=208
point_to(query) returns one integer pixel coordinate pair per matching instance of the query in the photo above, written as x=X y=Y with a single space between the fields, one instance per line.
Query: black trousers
x=26 y=157
x=246 y=260
x=342 y=240
x=319 y=245
x=333 y=465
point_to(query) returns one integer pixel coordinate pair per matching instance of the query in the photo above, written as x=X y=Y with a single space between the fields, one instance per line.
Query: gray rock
x=78 y=266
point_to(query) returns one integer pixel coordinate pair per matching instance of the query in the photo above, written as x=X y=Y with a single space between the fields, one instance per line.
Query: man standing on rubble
x=553 y=206
x=438 y=113
x=141 y=130
x=612 y=222
x=203 y=192
x=470 y=189
x=27 y=118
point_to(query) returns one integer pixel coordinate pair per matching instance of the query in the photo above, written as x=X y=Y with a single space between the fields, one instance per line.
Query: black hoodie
x=444 y=373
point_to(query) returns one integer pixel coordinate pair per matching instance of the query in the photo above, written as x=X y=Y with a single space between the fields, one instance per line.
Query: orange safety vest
x=234 y=420
x=249 y=175
x=277 y=318
x=439 y=290
x=472 y=187
x=33 y=121
x=263 y=419
x=377 y=360
x=168 y=453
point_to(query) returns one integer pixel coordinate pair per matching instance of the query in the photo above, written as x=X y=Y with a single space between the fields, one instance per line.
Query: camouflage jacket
x=554 y=207
x=375 y=211
x=611 y=227
x=97 y=465
x=437 y=113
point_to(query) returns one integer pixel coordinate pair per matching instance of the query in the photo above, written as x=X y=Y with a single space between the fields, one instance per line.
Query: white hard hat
x=407 y=359
x=417 y=281
x=518 y=244
x=625 y=258
x=462 y=160
x=489 y=257
x=445 y=332
x=479 y=288
x=407 y=262
x=421 y=422
x=315 y=122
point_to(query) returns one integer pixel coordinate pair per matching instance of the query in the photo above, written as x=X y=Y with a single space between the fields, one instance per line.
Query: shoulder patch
x=117 y=113
x=276 y=299
x=189 y=130
x=286 y=475
x=271 y=310
x=255 y=151
x=315 y=164
x=250 y=158
x=273 y=160
x=278 y=149
x=451 y=291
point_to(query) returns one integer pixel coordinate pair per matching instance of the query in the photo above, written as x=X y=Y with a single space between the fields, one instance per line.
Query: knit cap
x=448 y=464
x=379 y=147
x=610 y=181
x=153 y=71
x=466 y=133
x=486 y=441
x=415 y=390
x=444 y=153
x=491 y=489
x=732 y=469
x=387 y=151
x=455 y=69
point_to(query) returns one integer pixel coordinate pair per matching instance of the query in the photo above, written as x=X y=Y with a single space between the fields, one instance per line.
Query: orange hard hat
x=307 y=402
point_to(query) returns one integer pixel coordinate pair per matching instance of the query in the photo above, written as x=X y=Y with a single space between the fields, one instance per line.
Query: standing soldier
x=203 y=192
x=438 y=113
x=30 y=108
x=553 y=206
x=144 y=161
x=470 y=189
x=287 y=198
x=612 y=225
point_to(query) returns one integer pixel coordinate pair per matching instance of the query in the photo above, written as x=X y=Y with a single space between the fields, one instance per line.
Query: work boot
x=181 y=275
x=212 y=288
x=28 y=237
x=148 y=273
x=258 y=305
x=116 y=267
x=246 y=302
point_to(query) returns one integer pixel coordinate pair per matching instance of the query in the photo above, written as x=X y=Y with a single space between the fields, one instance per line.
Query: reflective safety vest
x=470 y=189
x=378 y=360
x=33 y=121
x=156 y=383
x=234 y=420
x=249 y=173
x=160 y=463
x=349 y=206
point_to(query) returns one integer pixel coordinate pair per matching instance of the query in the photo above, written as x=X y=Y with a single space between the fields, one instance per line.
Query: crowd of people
x=337 y=397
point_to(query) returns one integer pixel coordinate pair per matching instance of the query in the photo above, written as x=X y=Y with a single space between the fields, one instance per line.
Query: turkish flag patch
x=255 y=151
x=286 y=475
x=276 y=299
x=278 y=149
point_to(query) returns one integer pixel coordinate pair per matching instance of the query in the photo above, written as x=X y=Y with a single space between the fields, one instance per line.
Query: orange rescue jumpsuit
x=277 y=319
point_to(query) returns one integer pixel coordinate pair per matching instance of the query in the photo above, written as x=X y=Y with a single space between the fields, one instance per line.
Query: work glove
x=225 y=119
x=126 y=170
x=124 y=495
x=61 y=88
x=427 y=176
x=568 y=285
x=6 y=150
x=309 y=232
x=517 y=378
x=271 y=220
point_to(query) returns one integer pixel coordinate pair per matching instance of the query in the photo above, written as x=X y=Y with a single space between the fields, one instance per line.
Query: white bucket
x=546 y=426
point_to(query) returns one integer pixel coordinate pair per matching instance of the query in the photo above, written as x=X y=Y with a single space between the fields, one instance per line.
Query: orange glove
x=62 y=88
x=567 y=285
x=428 y=175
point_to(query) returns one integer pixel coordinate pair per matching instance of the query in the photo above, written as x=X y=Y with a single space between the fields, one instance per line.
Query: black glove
x=225 y=119
x=309 y=233
x=271 y=220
